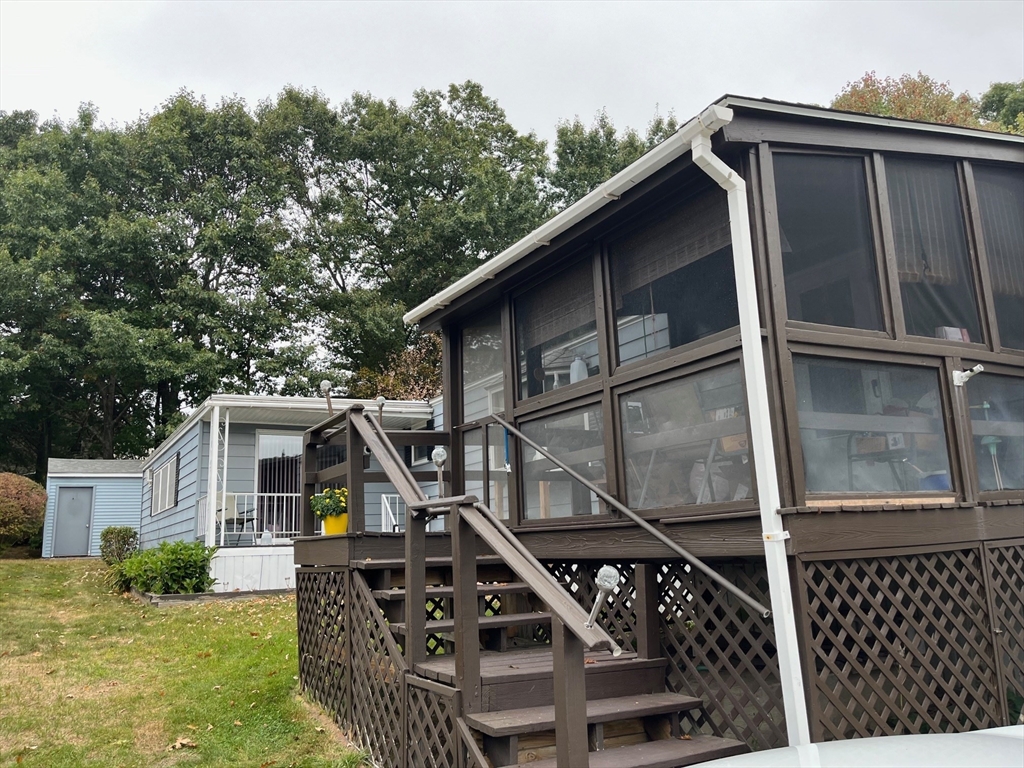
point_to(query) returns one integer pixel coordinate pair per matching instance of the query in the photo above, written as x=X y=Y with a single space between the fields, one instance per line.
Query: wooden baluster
x=415 y=590
x=467 y=624
x=570 y=696
x=648 y=622
x=355 y=444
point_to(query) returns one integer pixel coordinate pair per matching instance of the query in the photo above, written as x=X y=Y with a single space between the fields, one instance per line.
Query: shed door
x=74 y=513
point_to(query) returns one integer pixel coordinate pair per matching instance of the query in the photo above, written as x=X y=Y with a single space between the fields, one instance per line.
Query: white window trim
x=164 y=486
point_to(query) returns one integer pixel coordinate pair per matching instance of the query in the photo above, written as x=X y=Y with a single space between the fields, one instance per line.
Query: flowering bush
x=329 y=503
x=22 y=507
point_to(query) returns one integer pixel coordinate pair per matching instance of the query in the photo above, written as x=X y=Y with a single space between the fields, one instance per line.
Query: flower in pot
x=331 y=506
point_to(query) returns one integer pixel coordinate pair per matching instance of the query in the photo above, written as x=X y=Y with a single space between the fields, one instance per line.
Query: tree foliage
x=912 y=97
x=1003 y=103
x=22 y=508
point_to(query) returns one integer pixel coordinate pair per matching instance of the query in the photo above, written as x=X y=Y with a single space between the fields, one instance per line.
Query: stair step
x=486 y=622
x=398 y=563
x=511 y=588
x=511 y=722
x=667 y=753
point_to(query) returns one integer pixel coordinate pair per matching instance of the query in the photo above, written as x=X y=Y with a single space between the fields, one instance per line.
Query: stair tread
x=531 y=664
x=368 y=564
x=511 y=722
x=485 y=622
x=667 y=753
x=482 y=589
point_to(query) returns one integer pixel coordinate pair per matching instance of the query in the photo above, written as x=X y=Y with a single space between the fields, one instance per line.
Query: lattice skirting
x=321 y=597
x=430 y=724
x=716 y=649
x=921 y=642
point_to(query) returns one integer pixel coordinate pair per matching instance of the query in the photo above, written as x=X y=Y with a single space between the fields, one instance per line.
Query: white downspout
x=761 y=438
x=211 y=479
x=224 y=482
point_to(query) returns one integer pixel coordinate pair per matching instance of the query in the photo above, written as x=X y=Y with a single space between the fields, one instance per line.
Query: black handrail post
x=467 y=619
x=572 y=748
x=354 y=448
x=415 y=589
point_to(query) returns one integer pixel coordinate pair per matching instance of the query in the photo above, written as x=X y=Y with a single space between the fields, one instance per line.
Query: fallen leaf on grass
x=238 y=722
x=192 y=727
x=253 y=705
x=268 y=764
x=182 y=743
x=209 y=726
x=320 y=729
x=231 y=703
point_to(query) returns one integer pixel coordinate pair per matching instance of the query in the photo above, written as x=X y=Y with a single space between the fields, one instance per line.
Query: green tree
x=1003 y=103
x=914 y=98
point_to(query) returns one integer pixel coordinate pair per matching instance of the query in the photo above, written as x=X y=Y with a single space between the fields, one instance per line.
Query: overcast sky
x=541 y=61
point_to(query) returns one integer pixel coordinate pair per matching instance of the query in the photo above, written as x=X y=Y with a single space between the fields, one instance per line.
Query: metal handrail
x=613 y=502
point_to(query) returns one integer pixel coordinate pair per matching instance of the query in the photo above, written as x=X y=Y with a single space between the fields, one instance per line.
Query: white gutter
x=675 y=146
x=762 y=440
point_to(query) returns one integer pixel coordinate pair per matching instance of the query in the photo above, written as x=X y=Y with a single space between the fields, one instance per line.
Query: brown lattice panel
x=323 y=654
x=431 y=714
x=1006 y=580
x=617 y=616
x=377 y=678
x=723 y=653
x=901 y=644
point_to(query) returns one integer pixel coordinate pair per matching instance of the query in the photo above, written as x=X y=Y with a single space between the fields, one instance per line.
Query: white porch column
x=224 y=483
x=761 y=438
x=211 y=480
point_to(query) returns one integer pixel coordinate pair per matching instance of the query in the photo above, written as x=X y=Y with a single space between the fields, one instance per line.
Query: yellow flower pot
x=336 y=524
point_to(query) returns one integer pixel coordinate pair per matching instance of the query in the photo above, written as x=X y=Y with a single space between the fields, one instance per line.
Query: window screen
x=685 y=441
x=1001 y=199
x=576 y=438
x=473 y=462
x=828 y=257
x=498 y=470
x=997 y=424
x=931 y=250
x=870 y=427
x=672 y=277
x=482 y=379
x=556 y=331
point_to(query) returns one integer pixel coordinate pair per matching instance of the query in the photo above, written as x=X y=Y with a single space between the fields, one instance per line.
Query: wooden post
x=354 y=445
x=467 y=625
x=415 y=590
x=307 y=523
x=648 y=630
x=570 y=697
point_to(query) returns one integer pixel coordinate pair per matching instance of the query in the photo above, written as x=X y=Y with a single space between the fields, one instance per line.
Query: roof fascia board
x=657 y=158
x=94 y=474
x=872 y=120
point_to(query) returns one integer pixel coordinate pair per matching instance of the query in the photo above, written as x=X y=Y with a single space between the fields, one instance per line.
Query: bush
x=22 y=509
x=173 y=568
x=117 y=543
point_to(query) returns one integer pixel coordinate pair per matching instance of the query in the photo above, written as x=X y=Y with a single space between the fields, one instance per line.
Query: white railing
x=392 y=512
x=242 y=519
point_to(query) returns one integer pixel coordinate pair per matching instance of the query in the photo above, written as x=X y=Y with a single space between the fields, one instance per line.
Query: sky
x=543 y=62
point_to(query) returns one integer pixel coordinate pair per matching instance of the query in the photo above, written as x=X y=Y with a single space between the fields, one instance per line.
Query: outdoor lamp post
x=325 y=387
x=607 y=579
x=439 y=456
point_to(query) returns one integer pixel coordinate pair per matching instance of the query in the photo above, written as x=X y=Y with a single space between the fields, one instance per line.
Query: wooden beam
x=570 y=696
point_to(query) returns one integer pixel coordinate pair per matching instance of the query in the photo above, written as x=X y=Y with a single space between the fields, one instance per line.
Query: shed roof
x=77 y=467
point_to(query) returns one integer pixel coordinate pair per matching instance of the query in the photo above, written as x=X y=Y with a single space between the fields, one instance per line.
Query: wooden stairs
x=631 y=719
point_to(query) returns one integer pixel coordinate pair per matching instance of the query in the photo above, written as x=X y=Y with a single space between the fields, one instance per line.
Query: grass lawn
x=88 y=678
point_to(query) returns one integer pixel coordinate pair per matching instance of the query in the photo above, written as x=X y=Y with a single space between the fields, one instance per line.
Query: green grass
x=88 y=678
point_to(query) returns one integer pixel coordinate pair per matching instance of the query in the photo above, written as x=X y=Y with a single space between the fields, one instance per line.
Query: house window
x=280 y=460
x=931 y=250
x=827 y=253
x=497 y=473
x=165 y=486
x=997 y=425
x=870 y=427
x=577 y=438
x=672 y=277
x=556 y=331
x=685 y=441
x=1001 y=199
x=483 y=379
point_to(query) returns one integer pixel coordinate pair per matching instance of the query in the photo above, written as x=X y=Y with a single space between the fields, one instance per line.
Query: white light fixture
x=607 y=580
x=962 y=377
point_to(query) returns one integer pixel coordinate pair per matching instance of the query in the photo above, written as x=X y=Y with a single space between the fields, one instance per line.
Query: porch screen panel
x=556 y=331
x=577 y=438
x=673 y=278
x=482 y=380
x=997 y=426
x=686 y=441
x=931 y=250
x=498 y=466
x=473 y=461
x=828 y=257
x=1001 y=199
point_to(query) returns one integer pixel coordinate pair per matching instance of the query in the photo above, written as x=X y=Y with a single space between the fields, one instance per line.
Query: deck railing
x=243 y=518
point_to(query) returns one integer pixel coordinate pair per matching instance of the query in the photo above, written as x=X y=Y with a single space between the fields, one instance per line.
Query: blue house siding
x=115 y=501
x=179 y=522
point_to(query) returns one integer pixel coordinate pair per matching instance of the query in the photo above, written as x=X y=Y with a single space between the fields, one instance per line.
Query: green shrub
x=22 y=509
x=173 y=568
x=117 y=543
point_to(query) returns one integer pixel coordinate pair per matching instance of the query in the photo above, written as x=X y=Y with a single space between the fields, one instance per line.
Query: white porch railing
x=392 y=512
x=243 y=518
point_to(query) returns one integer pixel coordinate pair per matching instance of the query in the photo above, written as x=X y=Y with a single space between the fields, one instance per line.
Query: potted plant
x=331 y=506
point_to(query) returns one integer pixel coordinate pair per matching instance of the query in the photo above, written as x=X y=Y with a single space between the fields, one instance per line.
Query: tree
x=913 y=98
x=586 y=157
x=1003 y=103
